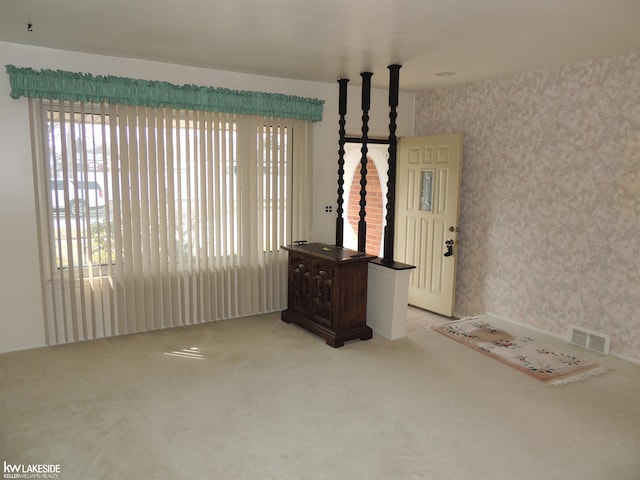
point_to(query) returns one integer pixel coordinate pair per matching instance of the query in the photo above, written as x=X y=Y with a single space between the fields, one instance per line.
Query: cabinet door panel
x=323 y=284
x=300 y=284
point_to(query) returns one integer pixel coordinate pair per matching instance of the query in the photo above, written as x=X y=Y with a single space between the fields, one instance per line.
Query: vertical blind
x=155 y=217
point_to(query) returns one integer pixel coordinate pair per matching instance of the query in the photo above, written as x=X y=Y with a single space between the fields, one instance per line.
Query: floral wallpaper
x=550 y=201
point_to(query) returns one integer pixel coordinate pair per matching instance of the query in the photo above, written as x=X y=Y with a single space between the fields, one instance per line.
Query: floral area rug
x=548 y=364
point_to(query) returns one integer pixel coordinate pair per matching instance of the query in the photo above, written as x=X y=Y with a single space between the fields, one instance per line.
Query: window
x=154 y=217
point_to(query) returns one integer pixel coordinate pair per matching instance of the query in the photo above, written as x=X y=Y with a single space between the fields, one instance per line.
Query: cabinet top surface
x=330 y=252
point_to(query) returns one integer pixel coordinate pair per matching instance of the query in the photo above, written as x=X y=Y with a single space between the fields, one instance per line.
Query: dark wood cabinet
x=327 y=292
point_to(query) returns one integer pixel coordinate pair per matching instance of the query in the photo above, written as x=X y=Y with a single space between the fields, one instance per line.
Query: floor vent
x=586 y=338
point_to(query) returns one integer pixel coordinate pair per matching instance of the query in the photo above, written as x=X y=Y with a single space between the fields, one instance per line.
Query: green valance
x=84 y=87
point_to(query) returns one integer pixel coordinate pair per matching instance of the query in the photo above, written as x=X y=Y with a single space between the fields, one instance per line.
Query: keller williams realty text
x=31 y=471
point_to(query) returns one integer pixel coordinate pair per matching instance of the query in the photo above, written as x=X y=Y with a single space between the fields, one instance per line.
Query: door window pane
x=426 y=191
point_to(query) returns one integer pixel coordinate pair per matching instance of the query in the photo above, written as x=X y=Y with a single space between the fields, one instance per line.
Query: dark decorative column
x=389 y=229
x=342 y=111
x=366 y=104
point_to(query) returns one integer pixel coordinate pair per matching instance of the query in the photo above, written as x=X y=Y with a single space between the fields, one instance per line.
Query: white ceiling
x=323 y=40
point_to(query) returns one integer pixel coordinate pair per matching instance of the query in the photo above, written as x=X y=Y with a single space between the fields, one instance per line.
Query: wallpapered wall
x=550 y=207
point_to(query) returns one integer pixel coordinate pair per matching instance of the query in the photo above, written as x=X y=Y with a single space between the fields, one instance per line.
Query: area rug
x=548 y=364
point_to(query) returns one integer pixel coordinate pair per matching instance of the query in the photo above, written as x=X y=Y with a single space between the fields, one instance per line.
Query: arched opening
x=375 y=215
x=376 y=196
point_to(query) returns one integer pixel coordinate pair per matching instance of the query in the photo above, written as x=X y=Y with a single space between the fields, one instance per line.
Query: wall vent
x=590 y=339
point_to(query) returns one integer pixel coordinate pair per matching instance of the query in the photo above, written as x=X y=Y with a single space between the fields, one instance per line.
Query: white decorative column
x=387 y=298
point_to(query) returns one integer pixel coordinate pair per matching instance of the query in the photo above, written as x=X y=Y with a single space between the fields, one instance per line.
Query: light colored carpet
x=256 y=398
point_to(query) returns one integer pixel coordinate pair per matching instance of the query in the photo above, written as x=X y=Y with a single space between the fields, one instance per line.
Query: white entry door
x=427 y=206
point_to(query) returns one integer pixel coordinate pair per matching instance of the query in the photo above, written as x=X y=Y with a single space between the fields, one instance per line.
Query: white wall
x=21 y=316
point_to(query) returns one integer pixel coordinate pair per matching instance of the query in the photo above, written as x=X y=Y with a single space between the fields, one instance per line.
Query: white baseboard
x=530 y=327
x=564 y=338
x=626 y=358
x=22 y=347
